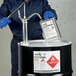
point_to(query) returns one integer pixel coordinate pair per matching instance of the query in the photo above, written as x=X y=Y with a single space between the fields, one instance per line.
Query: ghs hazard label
x=46 y=61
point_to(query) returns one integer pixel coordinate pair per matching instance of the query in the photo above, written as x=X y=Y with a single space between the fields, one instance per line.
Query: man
x=15 y=25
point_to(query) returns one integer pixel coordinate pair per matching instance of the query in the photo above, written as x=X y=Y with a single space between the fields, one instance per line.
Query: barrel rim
x=46 y=43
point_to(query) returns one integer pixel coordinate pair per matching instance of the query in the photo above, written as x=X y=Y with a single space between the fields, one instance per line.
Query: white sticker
x=46 y=61
x=49 y=29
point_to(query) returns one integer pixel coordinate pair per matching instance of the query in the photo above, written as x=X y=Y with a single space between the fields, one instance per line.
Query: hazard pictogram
x=52 y=27
x=42 y=60
x=53 y=61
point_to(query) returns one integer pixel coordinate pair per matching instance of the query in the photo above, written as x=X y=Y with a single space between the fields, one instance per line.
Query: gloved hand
x=4 y=21
x=48 y=14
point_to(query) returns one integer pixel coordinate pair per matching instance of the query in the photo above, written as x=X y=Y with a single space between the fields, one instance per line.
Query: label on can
x=49 y=30
x=46 y=61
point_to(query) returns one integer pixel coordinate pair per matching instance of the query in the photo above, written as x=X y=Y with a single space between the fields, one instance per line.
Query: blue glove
x=48 y=14
x=4 y=21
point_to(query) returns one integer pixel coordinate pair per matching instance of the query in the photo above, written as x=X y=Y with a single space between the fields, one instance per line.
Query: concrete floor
x=66 y=11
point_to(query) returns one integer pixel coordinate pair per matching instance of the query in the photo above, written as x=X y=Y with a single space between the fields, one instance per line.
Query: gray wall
x=66 y=11
x=5 y=57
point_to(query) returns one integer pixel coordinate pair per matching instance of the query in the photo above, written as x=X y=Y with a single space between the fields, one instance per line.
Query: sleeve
x=47 y=7
x=4 y=9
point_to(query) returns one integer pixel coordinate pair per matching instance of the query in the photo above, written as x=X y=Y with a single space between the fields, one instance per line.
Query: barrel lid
x=44 y=43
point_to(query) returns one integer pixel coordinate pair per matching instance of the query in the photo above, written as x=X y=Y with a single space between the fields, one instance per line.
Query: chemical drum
x=40 y=58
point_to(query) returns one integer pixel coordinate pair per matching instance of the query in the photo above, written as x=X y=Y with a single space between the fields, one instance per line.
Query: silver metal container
x=41 y=58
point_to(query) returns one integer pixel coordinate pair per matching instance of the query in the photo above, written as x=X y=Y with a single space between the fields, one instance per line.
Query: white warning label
x=49 y=29
x=46 y=61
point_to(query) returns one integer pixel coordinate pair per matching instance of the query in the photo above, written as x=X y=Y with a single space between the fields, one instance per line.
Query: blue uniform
x=34 y=6
x=34 y=29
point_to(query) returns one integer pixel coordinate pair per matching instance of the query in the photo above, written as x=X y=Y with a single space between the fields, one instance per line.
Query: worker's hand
x=48 y=14
x=4 y=21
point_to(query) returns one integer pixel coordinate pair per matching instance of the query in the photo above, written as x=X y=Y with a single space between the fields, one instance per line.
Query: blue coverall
x=34 y=29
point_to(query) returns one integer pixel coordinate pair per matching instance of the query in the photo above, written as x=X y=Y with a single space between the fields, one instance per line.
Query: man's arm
x=4 y=9
x=3 y=14
x=46 y=7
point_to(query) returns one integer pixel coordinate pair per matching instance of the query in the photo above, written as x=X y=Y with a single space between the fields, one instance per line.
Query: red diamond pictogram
x=53 y=61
